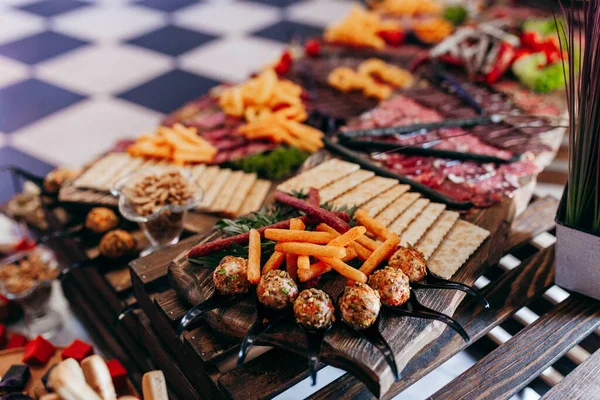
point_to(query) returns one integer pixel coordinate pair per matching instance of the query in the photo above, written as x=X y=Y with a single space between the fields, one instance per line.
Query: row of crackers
x=226 y=192
x=446 y=241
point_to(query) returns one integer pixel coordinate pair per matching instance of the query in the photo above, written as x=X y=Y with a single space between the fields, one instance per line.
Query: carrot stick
x=372 y=225
x=368 y=243
x=309 y=249
x=291 y=260
x=274 y=262
x=241 y=239
x=344 y=269
x=380 y=254
x=285 y=235
x=348 y=237
x=254 y=257
x=314 y=270
x=363 y=252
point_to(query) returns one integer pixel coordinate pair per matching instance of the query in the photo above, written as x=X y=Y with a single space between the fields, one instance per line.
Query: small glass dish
x=164 y=225
x=40 y=318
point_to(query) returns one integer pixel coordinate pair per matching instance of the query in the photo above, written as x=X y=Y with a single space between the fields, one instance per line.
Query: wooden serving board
x=343 y=348
x=35 y=387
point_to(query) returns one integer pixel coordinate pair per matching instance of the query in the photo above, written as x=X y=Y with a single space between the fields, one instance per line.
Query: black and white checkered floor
x=77 y=75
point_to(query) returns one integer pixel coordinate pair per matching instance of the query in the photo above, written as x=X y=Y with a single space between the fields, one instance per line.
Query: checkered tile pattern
x=76 y=75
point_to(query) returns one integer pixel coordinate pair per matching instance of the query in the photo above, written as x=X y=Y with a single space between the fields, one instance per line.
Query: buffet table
x=145 y=337
x=364 y=202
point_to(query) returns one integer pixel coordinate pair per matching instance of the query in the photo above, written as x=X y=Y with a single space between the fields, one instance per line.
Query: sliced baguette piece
x=69 y=385
x=98 y=377
x=154 y=386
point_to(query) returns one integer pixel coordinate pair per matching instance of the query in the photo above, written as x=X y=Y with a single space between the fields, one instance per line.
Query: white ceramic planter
x=577 y=258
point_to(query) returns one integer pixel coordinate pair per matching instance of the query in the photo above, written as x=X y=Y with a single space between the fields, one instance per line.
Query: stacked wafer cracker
x=446 y=241
x=226 y=192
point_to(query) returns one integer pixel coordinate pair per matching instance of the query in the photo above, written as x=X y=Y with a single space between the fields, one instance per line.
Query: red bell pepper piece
x=312 y=48
x=77 y=350
x=118 y=373
x=38 y=351
x=284 y=64
x=450 y=59
x=392 y=37
x=2 y=336
x=520 y=52
x=505 y=57
x=532 y=40
x=16 y=341
x=552 y=50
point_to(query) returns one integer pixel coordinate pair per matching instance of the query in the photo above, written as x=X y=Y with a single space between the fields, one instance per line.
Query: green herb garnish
x=275 y=164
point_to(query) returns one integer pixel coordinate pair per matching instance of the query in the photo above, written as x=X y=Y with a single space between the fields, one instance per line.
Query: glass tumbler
x=164 y=226
x=40 y=318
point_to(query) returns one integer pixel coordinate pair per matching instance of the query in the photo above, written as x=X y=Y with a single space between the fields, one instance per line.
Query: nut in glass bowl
x=26 y=278
x=158 y=200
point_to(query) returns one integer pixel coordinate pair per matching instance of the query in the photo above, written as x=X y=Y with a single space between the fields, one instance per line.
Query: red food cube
x=392 y=37
x=118 y=373
x=286 y=57
x=38 y=351
x=2 y=336
x=77 y=350
x=282 y=68
x=16 y=341
x=312 y=48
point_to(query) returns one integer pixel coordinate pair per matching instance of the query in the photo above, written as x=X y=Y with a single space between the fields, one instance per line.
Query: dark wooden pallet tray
x=200 y=351
x=97 y=295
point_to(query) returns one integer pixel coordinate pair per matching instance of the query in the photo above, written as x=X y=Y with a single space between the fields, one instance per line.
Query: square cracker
x=233 y=182
x=391 y=212
x=374 y=206
x=419 y=226
x=212 y=189
x=319 y=176
x=256 y=197
x=341 y=186
x=412 y=212
x=101 y=171
x=434 y=235
x=462 y=241
x=365 y=192
x=240 y=194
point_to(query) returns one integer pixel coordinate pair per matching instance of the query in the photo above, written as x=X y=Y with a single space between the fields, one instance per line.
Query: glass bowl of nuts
x=158 y=199
x=26 y=278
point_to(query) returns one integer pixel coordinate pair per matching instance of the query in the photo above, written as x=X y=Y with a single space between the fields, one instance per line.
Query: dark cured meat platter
x=342 y=347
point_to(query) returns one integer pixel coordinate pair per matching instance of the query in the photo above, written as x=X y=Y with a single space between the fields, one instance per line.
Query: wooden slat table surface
x=581 y=384
x=264 y=377
x=194 y=365
x=512 y=366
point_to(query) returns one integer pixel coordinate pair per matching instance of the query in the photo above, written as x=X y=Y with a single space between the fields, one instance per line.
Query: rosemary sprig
x=213 y=259
x=265 y=216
